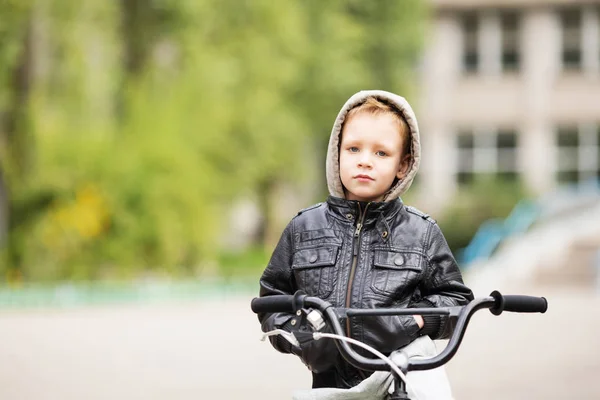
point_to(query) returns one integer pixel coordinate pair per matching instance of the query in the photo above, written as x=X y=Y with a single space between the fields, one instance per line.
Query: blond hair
x=376 y=106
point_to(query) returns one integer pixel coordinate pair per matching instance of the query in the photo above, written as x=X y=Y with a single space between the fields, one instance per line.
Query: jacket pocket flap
x=317 y=237
x=317 y=234
x=397 y=260
x=315 y=257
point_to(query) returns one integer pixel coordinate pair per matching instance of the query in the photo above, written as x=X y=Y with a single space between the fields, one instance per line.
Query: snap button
x=313 y=258
x=384 y=234
x=399 y=260
x=349 y=216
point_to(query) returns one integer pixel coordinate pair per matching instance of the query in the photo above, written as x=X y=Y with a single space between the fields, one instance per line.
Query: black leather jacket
x=363 y=255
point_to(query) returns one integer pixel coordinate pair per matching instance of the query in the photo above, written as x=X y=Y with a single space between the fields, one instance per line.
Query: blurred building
x=510 y=88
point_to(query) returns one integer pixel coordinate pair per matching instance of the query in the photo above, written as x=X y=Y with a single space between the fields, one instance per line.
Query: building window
x=470 y=27
x=509 y=23
x=598 y=31
x=506 y=142
x=598 y=152
x=465 y=157
x=487 y=153
x=578 y=150
x=571 y=38
x=568 y=144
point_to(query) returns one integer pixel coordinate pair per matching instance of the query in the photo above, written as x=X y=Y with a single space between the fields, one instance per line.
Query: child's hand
x=419 y=320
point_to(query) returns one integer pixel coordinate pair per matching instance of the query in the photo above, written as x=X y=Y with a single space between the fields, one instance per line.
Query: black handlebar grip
x=271 y=304
x=525 y=304
x=278 y=303
x=518 y=303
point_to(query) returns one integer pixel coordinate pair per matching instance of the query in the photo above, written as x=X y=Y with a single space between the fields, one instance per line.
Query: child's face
x=371 y=156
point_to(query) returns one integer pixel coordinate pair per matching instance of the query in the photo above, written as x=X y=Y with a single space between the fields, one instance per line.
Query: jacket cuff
x=432 y=323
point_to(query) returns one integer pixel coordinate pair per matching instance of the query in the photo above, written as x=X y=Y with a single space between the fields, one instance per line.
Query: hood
x=332 y=166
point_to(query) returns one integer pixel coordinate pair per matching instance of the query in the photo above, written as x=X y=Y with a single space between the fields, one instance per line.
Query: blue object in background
x=492 y=232
x=525 y=213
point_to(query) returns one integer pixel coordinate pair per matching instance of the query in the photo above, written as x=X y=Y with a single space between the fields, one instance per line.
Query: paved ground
x=211 y=349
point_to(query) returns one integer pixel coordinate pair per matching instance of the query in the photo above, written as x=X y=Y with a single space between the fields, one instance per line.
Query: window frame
x=510 y=41
x=485 y=153
x=470 y=23
x=571 y=38
x=579 y=160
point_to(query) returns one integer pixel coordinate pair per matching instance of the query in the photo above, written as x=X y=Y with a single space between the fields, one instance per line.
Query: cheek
x=344 y=162
x=343 y=167
x=392 y=168
x=345 y=170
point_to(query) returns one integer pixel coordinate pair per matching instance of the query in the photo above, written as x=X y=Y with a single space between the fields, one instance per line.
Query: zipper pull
x=358 y=229
x=355 y=241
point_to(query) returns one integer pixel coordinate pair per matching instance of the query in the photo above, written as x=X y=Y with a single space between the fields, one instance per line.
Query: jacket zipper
x=355 y=251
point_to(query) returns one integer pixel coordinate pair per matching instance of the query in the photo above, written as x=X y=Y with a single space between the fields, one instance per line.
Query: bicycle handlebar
x=496 y=302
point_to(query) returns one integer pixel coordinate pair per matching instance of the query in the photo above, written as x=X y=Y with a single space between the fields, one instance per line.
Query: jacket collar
x=351 y=210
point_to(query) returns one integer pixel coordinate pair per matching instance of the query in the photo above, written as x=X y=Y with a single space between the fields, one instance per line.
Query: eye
x=381 y=153
x=353 y=149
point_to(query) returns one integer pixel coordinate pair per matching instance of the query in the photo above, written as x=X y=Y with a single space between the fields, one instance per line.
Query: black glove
x=318 y=355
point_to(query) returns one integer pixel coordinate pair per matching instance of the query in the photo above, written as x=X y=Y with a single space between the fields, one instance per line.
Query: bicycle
x=319 y=313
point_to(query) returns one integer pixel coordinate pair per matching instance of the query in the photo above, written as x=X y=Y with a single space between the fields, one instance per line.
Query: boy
x=363 y=248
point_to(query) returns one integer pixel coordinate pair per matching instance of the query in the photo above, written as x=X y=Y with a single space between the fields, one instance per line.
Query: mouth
x=363 y=178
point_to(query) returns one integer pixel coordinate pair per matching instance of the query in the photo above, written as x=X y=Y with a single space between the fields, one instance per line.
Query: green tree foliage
x=149 y=118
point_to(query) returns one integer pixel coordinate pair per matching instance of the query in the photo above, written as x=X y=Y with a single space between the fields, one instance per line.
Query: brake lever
x=286 y=335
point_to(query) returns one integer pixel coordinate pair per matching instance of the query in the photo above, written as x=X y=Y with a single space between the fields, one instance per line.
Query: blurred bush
x=485 y=198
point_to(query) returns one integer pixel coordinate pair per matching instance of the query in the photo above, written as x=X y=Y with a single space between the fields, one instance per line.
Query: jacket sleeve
x=278 y=279
x=443 y=285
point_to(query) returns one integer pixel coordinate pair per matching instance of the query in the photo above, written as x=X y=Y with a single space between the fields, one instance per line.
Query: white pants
x=422 y=385
x=430 y=384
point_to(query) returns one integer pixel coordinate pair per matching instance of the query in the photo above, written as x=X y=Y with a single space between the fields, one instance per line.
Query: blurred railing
x=525 y=214
x=71 y=294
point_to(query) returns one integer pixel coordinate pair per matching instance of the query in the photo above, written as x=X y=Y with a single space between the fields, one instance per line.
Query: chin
x=366 y=196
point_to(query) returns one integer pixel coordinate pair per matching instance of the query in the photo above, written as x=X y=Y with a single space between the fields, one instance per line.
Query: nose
x=365 y=161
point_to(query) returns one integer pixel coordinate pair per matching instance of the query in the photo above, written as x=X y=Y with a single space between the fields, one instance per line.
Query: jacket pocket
x=314 y=269
x=395 y=273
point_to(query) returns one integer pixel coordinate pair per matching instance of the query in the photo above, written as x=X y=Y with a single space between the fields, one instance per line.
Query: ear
x=404 y=166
